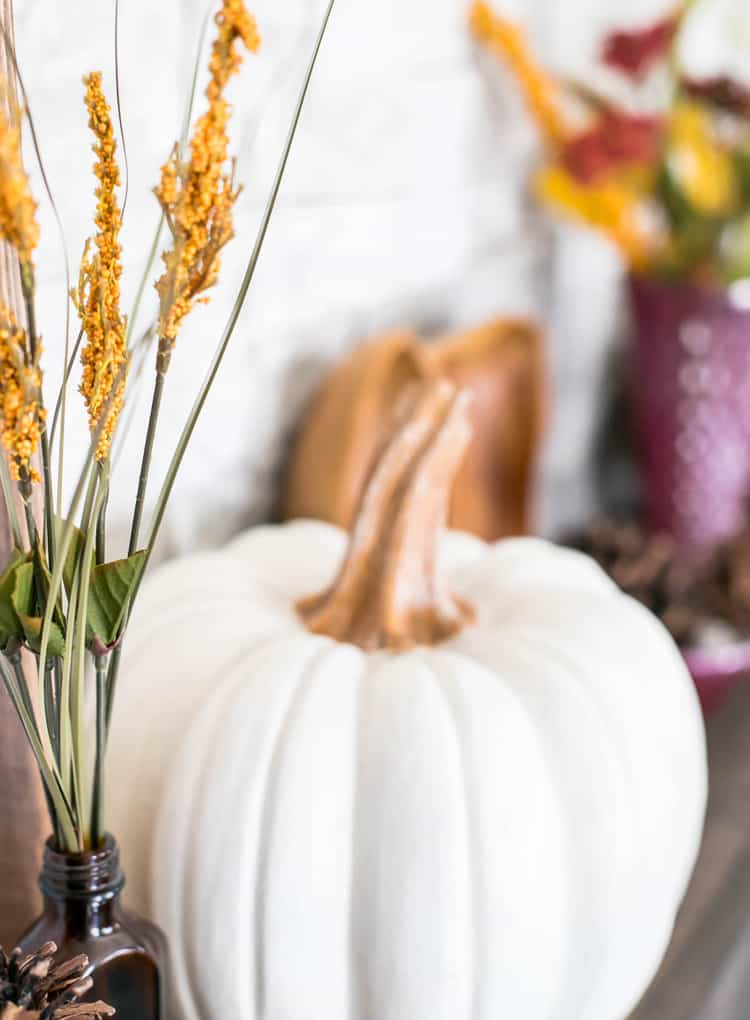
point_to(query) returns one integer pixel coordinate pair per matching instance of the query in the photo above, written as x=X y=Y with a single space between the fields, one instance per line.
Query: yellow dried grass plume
x=97 y=297
x=22 y=416
x=18 y=222
x=198 y=194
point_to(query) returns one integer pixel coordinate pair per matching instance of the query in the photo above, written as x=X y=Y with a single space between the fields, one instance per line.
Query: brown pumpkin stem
x=387 y=594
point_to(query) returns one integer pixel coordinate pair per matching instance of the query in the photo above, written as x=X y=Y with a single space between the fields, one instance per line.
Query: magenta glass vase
x=690 y=406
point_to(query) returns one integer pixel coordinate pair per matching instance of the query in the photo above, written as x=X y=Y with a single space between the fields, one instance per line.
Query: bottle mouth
x=82 y=876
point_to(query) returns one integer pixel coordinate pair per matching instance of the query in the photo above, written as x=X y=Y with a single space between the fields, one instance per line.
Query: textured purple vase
x=690 y=401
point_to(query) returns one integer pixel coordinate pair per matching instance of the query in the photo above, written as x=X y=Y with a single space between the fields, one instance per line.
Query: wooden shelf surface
x=706 y=974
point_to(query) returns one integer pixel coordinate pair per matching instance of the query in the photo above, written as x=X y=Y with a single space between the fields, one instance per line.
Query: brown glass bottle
x=82 y=914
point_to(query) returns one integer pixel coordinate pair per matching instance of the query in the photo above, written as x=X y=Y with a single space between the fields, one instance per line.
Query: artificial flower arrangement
x=667 y=178
x=64 y=602
x=667 y=181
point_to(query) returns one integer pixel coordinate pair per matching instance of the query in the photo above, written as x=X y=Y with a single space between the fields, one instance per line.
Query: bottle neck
x=83 y=890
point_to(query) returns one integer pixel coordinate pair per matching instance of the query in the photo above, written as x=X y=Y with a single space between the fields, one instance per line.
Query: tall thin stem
x=148 y=449
x=23 y=690
x=97 y=801
x=58 y=417
x=92 y=510
x=27 y=286
x=23 y=687
x=69 y=768
x=66 y=534
x=133 y=317
x=62 y=809
x=101 y=521
x=52 y=694
x=10 y=503
x=49 y=673
x=101 y=667
x=51 y=678
x=49 y=500
x=28 y=513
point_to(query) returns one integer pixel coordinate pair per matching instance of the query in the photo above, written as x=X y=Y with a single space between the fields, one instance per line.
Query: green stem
x=27 y=286
x=30 y=522
x=66 y=536
x=53 y=672
x=52 y=706
x=138 y=354
x=50 y=680
x=62 y=809
x=10 y=503
x=70 y=765
x=23 y=690
x=114 y=666
x=133 y=317
x=49 y=501
x=101 y=667
x=23 y=687
x=59 y=414
x=50 y=674
x=94 y=505
x=148 y=449
x=46 y=700
x=101 y=521
x=61 y=404
x=88 y=503
x=97 y=810
x=114 y=669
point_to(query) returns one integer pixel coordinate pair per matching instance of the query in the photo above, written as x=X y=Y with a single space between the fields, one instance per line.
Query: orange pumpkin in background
x=342 y=432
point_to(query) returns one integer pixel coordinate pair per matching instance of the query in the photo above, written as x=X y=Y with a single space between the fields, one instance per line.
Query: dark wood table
x=706 y=975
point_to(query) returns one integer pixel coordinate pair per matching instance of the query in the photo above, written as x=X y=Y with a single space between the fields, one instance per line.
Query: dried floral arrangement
x=33 y=987
x=667 y=176
x=64 y=604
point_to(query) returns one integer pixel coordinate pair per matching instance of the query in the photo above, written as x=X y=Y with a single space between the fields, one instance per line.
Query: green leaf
x=112 y=585
x=24 y=604
x=695 y=236
x=32 y=626
x=23 y=589
x=75 y=550
x=10 y=625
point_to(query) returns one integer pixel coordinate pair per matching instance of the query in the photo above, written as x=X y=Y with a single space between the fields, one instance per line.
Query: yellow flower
x=98 y=295
x=540 y=91
x=702 y=168
x=18 y=224
x=21 y=413
x=198 y=195
x=609 y=206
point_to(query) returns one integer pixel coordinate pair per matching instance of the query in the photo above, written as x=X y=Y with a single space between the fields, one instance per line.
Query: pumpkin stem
x=387 y=594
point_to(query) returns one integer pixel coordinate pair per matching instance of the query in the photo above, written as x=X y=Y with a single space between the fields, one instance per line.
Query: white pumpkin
x=498 y=822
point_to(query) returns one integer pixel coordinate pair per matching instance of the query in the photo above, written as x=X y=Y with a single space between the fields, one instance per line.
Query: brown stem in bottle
x=387 y=594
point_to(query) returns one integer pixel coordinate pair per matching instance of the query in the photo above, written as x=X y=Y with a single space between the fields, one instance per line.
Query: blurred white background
x=404 y=204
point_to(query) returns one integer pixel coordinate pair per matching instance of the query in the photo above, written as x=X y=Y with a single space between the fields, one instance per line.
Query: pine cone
x=691 y=597
x=649 y=568
x=32 y=988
